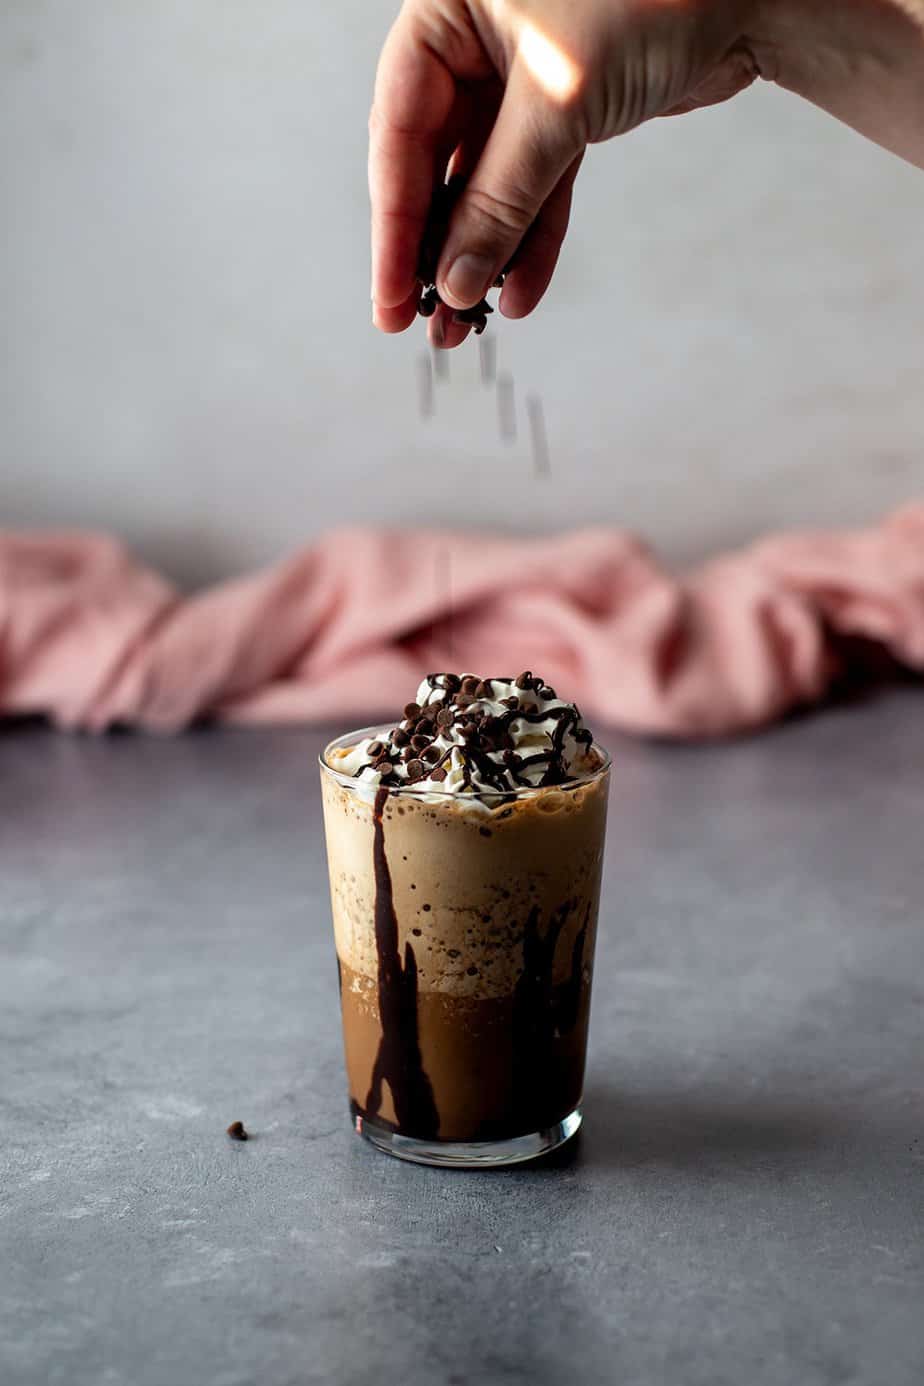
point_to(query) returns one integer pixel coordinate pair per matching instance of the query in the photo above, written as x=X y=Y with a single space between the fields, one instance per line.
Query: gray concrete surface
x=745 y=1205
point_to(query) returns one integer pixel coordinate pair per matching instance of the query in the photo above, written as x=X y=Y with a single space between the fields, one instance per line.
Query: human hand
x=508 y=93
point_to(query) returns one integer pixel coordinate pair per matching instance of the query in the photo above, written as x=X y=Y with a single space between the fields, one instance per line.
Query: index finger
x=414 y=95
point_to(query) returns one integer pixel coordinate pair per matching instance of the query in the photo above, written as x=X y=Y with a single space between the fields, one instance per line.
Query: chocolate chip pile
x=454 y=718
x=444 y=200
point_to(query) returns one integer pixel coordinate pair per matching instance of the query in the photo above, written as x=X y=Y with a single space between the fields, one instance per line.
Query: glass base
x=470 y=1154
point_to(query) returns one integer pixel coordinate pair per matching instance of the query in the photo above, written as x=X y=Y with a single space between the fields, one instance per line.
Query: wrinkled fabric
x=343 y=630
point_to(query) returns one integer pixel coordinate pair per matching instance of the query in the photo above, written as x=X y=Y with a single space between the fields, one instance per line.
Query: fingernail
x=468 y=277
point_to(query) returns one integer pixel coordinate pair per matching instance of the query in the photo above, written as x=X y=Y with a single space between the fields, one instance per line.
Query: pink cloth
x=344 y=630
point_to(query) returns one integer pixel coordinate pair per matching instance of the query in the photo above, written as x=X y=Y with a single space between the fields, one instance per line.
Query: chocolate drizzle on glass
x=398 y=1061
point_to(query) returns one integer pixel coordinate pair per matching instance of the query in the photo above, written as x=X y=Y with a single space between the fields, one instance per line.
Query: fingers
x=528 y=151
x=414 y=95
x=443 y=332
x=398 y=318
x=538 y=255
x=733 y=74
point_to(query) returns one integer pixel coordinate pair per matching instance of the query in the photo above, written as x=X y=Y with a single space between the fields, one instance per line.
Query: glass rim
x=501 y=795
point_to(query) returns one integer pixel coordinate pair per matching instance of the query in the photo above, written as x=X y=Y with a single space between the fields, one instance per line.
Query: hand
x=509 y=93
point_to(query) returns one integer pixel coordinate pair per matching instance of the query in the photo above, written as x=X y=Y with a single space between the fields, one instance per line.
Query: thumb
x=528 y=150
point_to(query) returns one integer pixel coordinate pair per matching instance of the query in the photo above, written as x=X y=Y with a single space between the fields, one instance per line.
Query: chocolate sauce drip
x=544 y=1013
x=398 y=1061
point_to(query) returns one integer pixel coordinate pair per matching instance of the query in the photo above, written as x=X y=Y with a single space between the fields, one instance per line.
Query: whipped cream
x=466 y=735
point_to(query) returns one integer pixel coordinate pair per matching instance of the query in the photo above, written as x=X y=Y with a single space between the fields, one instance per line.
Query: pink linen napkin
x=344 y=630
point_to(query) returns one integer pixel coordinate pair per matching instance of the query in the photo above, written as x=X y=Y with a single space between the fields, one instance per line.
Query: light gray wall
x=734 y=339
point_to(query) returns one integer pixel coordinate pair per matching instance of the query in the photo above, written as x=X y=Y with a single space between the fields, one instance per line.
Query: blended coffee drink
x=465 y=846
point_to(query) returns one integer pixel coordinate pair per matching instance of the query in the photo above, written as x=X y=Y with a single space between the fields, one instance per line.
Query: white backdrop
x=733 y=340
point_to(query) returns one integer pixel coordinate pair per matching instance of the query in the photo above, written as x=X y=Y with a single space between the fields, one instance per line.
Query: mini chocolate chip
x=438 y=774
x=375 y=748
x=445 y=717
x=408 y=754
x=525 y=680
x=431 y=753
x=415 y=768
x=484 y=689
x=469 y=730
x=383 y=765
x=512 y=759
x=463 y=700
x=453 y=683
x=425 y=727
x=238 y=1132
x=417 y=932
x=419 y=742
x=427 y=305
x=469 y=684
x=510 y=702
x=546 y=694
x=425 y=908
x=411 y=711
x=399 y=737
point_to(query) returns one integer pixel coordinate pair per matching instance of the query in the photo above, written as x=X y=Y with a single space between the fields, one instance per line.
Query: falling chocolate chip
x=238 y=1132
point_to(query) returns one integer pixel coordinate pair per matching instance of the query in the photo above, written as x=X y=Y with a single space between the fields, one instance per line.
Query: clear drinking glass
x=465 y=933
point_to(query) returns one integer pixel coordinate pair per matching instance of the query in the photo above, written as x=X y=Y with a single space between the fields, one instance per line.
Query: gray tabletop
x=744 y=1206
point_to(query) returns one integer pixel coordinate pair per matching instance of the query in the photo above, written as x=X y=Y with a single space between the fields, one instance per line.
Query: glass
x=465 y=932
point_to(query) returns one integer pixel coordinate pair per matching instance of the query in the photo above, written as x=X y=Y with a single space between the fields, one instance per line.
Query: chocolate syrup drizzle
x=542 y=1011
x=411 y=753
x=398 y=1061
